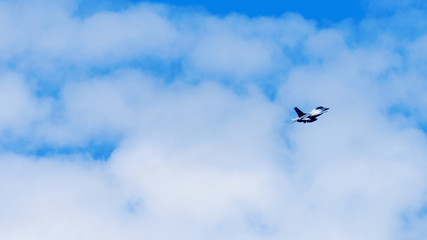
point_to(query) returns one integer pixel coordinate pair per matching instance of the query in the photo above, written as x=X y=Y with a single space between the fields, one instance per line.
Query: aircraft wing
x=306 y=116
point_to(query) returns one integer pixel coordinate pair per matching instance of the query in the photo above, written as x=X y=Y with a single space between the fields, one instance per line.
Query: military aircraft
x=311 y=116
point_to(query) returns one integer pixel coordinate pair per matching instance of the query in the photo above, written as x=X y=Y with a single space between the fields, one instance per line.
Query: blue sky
x=323 y=11
x=161 y=120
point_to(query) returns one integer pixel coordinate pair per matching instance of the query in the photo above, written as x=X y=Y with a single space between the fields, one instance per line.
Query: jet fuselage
x=311 y=116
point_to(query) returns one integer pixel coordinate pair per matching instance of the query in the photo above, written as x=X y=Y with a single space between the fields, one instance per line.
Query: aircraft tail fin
x=299 y=112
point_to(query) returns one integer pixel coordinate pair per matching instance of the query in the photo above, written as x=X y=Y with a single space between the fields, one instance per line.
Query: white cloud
x=228 y=54
x=108 y=35
x=198 y=157
x=19 y=108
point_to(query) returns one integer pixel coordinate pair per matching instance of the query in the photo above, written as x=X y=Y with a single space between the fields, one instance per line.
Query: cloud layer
x=189 y=112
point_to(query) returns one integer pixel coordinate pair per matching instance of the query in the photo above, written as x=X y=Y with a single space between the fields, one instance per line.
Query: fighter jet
x=311 y=116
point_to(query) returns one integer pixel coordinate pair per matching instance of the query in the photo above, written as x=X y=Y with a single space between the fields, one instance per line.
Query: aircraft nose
x=326 y=109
